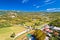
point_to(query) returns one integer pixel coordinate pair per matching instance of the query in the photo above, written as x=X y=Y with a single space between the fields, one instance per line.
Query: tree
x=12 y=35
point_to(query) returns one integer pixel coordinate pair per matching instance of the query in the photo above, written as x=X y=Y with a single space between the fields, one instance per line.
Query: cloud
x=47 y=0
x=25 y=1
x=53 y=9
x=34 y=4
x=37 y=6
x=48 y=3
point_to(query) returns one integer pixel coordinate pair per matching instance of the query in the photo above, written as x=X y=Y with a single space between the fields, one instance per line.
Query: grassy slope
x=6 y=32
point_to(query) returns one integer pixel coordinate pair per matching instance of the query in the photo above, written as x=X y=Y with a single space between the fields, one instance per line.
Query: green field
x=5 y=33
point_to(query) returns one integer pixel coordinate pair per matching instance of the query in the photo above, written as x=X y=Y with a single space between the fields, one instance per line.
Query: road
x=21 y=37
x=56 y=28
x=28 y=30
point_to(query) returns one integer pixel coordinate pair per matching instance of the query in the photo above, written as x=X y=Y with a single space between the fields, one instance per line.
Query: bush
x=12 y=35
x=55 y=23
x=5 y=24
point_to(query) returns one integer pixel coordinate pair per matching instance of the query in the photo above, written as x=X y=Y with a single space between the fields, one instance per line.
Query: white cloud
x=24 y=1
x=47 y=0
x=37 y=6
x=48 y=3
x=53 y=9
x=43 y=5
x=34 y=4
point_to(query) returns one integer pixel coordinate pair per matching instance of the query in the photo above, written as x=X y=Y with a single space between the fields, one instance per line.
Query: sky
x=30 y=5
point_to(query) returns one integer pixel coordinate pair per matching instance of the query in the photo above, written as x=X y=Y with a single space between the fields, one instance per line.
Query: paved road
x=21 y=37
x=56 y=28
x=21 y=33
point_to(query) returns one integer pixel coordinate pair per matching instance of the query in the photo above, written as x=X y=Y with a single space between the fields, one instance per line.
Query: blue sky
x=30 y=5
